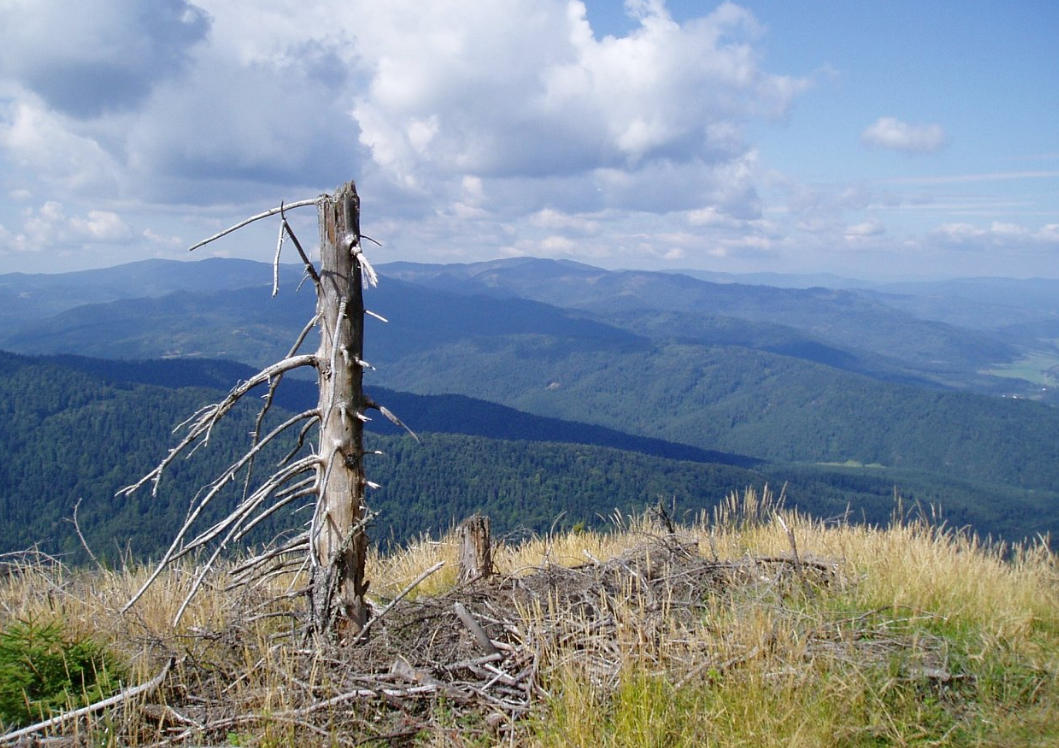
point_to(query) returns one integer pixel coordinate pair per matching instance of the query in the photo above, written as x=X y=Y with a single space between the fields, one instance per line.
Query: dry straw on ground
x=748 y=599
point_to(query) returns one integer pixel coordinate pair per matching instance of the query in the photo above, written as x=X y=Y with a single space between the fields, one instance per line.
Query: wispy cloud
x=893 y=134
x=997 y=235
x=994 y=176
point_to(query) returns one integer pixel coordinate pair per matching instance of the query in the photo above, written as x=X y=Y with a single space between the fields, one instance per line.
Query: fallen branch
x=719 y=667
x=475 y=628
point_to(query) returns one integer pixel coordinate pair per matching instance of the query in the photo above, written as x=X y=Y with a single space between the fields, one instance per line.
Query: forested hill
x=847 y=319
x=455 y=414
x=743 y=388
x=79 y=429
x=748 y=402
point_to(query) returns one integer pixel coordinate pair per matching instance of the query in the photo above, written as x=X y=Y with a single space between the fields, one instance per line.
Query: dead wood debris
x=479 y=657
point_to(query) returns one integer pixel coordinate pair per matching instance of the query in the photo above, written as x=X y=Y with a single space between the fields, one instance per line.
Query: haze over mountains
x=932 y=385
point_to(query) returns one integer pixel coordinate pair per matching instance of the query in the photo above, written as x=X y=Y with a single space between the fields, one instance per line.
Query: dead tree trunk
x=333 y=474
x=339 y=542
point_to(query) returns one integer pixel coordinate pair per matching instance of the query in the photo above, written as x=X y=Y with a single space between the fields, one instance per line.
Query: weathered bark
x=476 y=553
x=339 y=542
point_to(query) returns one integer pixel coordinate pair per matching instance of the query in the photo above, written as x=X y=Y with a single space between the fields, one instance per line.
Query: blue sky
x=868 y=139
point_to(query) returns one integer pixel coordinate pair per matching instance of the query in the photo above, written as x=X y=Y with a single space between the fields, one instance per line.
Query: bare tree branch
x=235 y=521
x=369 y=272
x=392 y=418
x=247 y=505
x=297 y=543
x=302 y=335
x=275 y=261
x=293 y=493
x=217 y=485
x=273 y=384
x=211 y=414
x=309 y=269
x=297 y=447
x=401 y=595
x=258 y=217
x=81 y=537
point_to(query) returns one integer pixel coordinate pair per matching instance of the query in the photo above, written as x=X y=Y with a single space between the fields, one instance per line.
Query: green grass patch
x=1041 y=368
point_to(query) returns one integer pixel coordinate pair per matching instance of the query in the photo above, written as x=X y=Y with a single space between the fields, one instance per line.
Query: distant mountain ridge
x=978 y=304
x=842 y=317
x=564 y=362
x=222 y=308
x=778 y=280
x=27 y=296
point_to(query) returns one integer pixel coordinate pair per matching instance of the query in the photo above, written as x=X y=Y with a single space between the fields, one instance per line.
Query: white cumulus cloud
x=50 y=228
x=524 y=88
x=511 y=124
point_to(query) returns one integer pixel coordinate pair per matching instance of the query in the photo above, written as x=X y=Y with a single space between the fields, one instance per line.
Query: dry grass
x=710 y=634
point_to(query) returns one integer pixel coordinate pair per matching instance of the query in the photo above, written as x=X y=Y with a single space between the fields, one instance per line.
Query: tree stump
x=476 y=552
